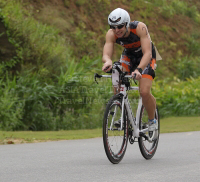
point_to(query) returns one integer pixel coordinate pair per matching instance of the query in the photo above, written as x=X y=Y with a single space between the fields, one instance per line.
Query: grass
x=11 y=137
x=36 y=38
x=180 y=124
x=168 y=125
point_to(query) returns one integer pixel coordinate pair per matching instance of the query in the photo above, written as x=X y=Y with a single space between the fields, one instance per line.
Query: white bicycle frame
x=134 y=121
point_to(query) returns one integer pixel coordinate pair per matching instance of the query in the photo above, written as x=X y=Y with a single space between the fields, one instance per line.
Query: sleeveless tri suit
x=132 y=54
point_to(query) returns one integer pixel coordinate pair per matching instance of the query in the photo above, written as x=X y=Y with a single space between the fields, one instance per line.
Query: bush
x=178 y=98
x=11 y=107
x=28 y=102
x=188 y=67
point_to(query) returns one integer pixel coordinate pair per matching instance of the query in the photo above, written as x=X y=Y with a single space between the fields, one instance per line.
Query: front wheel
x=114 y=139
x=148 y=147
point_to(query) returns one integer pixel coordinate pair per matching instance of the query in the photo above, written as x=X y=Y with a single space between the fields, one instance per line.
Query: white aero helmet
x=119 y=16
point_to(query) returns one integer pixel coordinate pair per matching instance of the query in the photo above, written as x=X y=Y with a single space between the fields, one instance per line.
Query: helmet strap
x=125 y=32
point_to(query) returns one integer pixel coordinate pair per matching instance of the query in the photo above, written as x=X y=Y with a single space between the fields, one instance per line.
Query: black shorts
x=130 y=62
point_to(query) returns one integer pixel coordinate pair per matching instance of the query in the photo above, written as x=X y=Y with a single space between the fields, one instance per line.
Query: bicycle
x=120 y=125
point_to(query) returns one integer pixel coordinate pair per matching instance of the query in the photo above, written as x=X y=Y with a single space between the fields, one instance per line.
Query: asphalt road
x=177 y=159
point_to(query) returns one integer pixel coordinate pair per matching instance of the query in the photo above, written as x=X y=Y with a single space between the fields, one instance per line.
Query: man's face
x=119 y=30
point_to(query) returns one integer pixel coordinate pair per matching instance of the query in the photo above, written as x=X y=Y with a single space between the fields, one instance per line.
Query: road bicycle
x=121 y=125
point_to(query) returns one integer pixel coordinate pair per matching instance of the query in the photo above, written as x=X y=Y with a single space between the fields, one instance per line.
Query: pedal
x=150 y=134
x=143 y=135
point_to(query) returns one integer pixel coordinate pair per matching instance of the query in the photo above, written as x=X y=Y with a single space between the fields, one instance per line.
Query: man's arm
x=145 y=40
x=108 y=51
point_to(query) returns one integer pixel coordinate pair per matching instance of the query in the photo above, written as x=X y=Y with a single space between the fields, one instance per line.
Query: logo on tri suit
x=121 y=43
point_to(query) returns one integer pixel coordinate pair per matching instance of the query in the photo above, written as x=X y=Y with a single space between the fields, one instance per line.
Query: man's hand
x=136 y=74
x=107 y=66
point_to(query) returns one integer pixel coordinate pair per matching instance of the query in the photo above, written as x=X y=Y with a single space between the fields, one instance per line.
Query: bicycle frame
x=134 y=121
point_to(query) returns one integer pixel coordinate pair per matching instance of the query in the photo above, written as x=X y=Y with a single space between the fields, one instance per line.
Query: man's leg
x=148 y=99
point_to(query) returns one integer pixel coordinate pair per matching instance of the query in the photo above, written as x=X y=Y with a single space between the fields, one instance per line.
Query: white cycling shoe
x=152 y=125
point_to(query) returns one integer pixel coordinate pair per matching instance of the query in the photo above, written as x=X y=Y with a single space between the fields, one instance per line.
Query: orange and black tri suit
x=132 y=54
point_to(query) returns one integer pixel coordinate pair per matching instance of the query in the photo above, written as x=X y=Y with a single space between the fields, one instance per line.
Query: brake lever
x=96 y=75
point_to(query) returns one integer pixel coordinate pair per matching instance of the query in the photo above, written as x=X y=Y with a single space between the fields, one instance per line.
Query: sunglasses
x=118 y=27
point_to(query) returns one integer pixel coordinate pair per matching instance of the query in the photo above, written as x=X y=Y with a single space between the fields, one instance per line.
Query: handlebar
x=121 y=73
x=96 y=75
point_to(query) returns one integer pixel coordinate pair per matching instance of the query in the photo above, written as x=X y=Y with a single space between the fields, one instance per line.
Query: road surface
x=177 y=159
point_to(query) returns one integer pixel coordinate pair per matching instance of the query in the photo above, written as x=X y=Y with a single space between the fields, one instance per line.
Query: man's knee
x=145 y=93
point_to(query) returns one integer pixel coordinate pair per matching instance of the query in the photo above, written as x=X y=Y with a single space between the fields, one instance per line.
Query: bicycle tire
x=148 y=148
x=111 y=134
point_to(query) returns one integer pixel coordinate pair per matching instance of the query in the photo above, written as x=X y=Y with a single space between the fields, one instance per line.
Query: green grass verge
x=168 y=125
x=180 y=124
x=12 y=137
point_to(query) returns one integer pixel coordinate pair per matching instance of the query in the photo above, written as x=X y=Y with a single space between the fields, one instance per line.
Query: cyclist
x=138 y=57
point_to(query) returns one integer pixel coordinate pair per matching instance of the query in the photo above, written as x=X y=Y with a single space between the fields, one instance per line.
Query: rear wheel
x=148 y=146
x=114 y=139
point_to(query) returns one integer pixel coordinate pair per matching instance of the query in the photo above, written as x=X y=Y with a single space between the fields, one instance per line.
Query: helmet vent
x=115 y=20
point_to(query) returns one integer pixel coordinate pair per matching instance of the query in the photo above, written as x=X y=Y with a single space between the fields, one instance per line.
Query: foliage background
x=50 y=50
